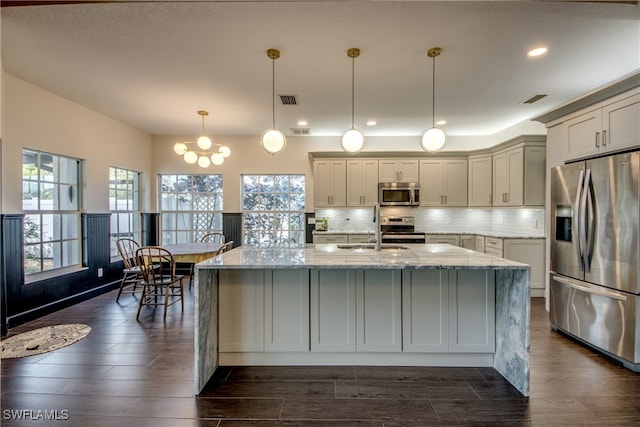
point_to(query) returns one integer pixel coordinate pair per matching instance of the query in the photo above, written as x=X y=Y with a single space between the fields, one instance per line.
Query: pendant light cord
x=353 y=91
x=273 y=91
x=433 y=94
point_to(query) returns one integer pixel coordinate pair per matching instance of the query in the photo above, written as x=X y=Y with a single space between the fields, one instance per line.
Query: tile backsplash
x=523 y=221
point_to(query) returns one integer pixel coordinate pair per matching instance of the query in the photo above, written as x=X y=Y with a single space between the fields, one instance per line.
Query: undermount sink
x=383 y=246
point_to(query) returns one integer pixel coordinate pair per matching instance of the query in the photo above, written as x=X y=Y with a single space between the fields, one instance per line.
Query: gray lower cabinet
x=448 y=311
x=349 y=311
x=333 y=310
x=425 y=311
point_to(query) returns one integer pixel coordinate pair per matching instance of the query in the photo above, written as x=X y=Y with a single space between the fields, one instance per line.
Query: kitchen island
x=417 y=305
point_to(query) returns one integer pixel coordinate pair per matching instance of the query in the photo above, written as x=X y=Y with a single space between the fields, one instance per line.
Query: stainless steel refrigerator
x=594 y=284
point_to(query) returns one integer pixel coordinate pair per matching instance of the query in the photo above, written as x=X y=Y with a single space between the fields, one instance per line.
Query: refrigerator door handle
x=590 y=220
x=577 y=221
x=590 y=290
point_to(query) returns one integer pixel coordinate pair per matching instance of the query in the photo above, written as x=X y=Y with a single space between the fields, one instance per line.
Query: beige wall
x=37 y=119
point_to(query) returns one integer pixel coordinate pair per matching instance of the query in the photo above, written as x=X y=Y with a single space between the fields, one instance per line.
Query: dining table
x=192 y=253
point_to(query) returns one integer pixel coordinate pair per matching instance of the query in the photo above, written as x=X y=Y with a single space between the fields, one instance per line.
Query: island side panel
x=513 y=308
x=206 y=326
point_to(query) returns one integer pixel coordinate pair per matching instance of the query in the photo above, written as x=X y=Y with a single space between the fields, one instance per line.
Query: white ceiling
x=152 y=65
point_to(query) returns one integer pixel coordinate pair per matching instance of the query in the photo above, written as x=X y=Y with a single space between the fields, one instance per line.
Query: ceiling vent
x=288 y=99
x=300 y=131
x=534 y=98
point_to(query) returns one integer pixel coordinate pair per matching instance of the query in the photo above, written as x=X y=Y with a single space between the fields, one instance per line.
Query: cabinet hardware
x=604 y=138
x=597 y=139
x=445 y=199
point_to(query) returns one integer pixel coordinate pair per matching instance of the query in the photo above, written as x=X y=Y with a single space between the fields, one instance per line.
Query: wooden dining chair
x=213 y=237
x=227 y=246
x=131 y=276
x=160 y=283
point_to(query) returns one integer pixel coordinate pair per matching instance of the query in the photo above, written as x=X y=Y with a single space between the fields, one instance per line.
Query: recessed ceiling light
x=371 y=123
x=441 y=122
x=537 y=51
x=302 y=123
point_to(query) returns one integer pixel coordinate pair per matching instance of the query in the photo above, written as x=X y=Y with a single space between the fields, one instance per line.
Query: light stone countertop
x=330 y=256
x=498 y=234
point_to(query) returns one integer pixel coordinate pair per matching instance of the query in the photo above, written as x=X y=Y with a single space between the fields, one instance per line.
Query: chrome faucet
x=376 y=221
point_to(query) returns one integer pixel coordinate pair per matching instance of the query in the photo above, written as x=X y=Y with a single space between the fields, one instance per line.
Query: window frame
x=133 y=216
x=57 y=226
x=194 y=215
x=273 y=237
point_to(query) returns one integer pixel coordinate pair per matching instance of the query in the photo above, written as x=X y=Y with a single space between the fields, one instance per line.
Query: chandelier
x=199 y=153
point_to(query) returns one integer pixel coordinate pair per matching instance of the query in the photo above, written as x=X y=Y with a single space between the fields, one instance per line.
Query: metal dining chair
x=160 y=283
x=131 y=276
x=213 y=237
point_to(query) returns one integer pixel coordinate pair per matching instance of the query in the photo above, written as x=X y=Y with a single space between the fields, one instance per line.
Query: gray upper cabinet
x=443 y=182
x=398 y=170
x=329 y=180
x=519 y=175
x=480 y=188
x=362 y=182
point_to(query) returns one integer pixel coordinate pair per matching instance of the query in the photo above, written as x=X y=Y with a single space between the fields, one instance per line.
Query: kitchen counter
x=498 y=234
x=330 y=256
x=427 y=305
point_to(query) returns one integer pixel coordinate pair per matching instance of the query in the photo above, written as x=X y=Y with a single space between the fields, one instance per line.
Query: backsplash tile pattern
x=520 y=221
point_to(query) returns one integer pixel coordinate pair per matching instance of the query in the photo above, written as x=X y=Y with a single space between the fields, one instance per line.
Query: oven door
x=405 y=238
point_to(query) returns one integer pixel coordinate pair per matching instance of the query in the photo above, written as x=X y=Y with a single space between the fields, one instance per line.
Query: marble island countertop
x=331 y=256
x=497 y=234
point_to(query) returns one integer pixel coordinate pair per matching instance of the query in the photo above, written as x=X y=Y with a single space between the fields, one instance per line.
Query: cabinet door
x=362 y=182
x=480 y=181
x=241 y=296
x=480 y=244
x=329 y=180
x=425 y=311
x=468 y=242
x=621 y=121
x=500 y=177
x=361 y=238
x=432 y=178
x=532 y=252
x=330 y=238
x=455 y=191
x=333 y=310
x=472 y=311
x=515 y=177
x=286 y=309
x=584 y=134
x=378 y=311
x=408 y=170
x=449 y=239
x=388 y=171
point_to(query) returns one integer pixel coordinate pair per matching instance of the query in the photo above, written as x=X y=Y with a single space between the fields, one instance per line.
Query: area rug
x=42 y=340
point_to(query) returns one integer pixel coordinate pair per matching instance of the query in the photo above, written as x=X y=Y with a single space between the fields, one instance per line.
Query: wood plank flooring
x=128 y=373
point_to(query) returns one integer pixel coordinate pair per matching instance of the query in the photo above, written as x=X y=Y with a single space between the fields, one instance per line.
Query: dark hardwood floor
x=128 y=373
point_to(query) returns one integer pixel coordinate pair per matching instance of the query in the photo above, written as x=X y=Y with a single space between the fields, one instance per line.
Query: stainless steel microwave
x=399 y=194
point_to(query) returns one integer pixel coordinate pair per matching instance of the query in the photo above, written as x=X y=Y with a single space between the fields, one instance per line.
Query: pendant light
x=352 y=140
x=273 y=140
x=433 y=139
x=201 y=156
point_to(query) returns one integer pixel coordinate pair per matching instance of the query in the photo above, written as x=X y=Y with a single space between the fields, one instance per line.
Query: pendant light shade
x=273 y=141
x=200 y=155
x=434 y=139
x=352 y=140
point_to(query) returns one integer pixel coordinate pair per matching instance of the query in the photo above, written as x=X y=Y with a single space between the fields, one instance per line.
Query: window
x=124 y=204
x=273 y=209
x=190 y=206
x=50 y=186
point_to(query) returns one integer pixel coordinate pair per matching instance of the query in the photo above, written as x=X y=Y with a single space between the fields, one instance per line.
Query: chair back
x=156 y=264
x=127 y=249
x=227 y=246
x=213 y=237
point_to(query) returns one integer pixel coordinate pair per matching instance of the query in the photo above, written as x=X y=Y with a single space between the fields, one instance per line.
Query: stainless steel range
x=400 y=229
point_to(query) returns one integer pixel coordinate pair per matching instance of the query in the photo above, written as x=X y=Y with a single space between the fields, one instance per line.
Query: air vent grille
x=289 y=99
x=300 y=131
x=534 y=98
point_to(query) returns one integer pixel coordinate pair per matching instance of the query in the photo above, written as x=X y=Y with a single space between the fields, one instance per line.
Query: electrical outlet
x=100 y=272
